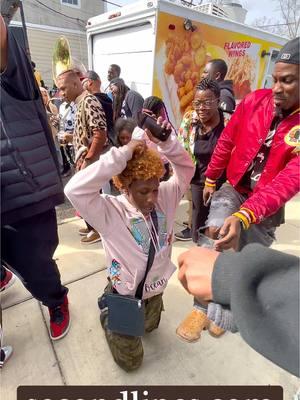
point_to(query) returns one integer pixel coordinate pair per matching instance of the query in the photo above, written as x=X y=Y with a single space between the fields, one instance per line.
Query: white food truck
x=162 y=48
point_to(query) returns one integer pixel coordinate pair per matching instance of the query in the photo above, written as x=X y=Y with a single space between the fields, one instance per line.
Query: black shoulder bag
x=126 y=314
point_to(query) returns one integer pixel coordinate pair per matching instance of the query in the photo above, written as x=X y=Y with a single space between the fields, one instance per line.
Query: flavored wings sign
x=181 y=55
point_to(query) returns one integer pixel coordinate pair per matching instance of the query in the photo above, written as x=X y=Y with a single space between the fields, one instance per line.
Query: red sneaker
x=9 y=280
x=59 y=320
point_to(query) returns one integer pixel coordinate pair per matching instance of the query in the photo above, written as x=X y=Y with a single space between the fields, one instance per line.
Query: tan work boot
x=215 y=331
x=91 y=237
x=191 y=327
x=83 y=231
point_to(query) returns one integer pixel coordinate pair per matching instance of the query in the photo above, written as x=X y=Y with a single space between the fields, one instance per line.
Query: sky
x=256 y=8
x=260 y=8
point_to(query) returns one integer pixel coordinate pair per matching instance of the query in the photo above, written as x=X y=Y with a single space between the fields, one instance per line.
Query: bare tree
x=290 y=11
x=289 y=23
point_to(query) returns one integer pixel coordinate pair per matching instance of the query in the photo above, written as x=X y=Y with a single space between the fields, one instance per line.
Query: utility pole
x=24 y=30
x=8 y=10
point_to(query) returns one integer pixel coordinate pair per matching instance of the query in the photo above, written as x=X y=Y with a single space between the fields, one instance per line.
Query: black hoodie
x=227 y=100
x=106 y=103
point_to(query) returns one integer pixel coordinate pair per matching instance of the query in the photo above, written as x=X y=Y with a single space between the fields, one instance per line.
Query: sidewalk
x=83 y=358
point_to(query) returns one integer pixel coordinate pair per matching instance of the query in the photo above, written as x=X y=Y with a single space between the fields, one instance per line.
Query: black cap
x=289 y=54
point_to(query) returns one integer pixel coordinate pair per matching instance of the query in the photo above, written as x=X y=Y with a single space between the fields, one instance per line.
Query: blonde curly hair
x=142 y=167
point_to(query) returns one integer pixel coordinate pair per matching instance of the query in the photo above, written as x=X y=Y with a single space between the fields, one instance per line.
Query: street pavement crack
x=101 y=269
x=63 y=378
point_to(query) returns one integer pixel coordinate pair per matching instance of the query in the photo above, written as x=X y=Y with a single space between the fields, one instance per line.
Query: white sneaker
x=8 y=350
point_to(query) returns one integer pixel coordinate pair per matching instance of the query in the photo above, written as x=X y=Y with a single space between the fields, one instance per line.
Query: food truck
x=162 y=48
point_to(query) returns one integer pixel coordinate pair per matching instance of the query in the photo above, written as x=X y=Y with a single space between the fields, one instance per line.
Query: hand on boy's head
x=163 y=123
x=151 y=137
x=137 y=146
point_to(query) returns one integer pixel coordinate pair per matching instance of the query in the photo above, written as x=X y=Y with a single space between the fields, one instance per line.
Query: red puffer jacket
x=241 y=141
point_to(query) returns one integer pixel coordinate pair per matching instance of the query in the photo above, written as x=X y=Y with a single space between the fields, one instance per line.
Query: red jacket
x=239 y=144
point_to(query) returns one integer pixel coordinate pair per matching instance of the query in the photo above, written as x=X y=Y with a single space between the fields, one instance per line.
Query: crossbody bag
x=126 y=314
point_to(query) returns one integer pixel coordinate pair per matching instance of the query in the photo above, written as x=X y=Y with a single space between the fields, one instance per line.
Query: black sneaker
x=184 y=235
x=66 y=171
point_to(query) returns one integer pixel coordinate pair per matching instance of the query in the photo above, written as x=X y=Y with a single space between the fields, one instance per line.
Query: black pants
x=69 y=153
x=89 y=226
x=200 y=211
x=67 y=158
x=66 y=164
x=27 y=247
x=167 y=173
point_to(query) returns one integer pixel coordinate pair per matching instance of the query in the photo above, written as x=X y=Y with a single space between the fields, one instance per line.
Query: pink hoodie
x=124 y=230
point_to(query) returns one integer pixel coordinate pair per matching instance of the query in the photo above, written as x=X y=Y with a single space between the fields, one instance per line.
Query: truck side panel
x=132 y=49
x=180 y=57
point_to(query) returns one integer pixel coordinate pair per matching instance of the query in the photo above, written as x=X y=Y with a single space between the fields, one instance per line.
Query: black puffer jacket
x=30 y=179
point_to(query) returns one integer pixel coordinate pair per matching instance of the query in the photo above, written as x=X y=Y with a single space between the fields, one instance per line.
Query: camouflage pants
x=127 y=351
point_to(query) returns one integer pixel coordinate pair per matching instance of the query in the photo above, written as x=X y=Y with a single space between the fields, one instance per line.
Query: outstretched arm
x=261 y=287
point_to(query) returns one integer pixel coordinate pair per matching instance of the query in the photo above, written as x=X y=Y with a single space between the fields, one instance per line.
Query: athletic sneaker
x=184 y=235
x=66 y=171
x=83 y=231
x=6 y=352
x=8 y=281
x=91 y=237
x=59 y=320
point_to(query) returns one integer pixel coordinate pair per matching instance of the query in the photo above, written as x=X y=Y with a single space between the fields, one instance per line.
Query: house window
x=71 y=3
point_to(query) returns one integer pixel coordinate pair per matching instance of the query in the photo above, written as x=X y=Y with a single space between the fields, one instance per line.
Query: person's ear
x=218 y=76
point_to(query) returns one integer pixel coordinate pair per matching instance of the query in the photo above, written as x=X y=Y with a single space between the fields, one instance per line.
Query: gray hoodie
x=261 y=287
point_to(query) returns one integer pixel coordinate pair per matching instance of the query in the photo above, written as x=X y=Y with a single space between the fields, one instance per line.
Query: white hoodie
x=124 y=230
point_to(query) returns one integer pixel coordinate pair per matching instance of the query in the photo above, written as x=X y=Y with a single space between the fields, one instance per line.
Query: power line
x=268 y=26
x=60 y=13
x=109 y=2
x=73 y=18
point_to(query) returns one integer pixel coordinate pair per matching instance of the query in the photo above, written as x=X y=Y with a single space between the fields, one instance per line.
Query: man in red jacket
x=259 y=149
